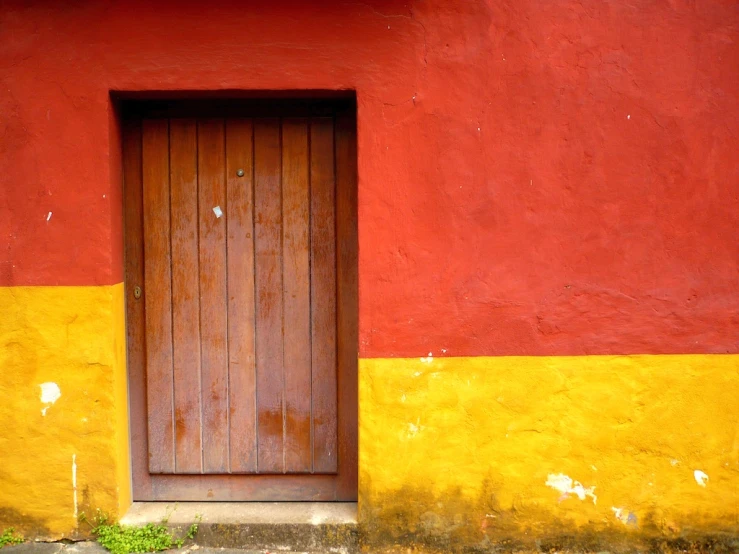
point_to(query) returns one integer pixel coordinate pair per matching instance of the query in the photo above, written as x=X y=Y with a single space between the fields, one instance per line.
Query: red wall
x=535 y=177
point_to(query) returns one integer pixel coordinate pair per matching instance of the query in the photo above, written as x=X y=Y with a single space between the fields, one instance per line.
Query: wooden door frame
x=340 y=487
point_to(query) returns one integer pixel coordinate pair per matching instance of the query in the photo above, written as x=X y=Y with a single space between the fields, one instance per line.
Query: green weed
x=128 y=539
x=8 y=537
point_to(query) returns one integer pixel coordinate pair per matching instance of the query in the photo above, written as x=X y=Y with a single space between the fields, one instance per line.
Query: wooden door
x=241 y=291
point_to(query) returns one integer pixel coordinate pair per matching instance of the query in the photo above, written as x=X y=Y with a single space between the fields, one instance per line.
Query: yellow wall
x=460 y=450
x=452 y=451
x=72 y=338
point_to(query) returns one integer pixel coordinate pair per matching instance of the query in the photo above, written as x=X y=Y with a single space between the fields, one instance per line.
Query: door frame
x=339 y=487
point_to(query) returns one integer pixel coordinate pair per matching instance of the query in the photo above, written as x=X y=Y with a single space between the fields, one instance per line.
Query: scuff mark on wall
x=567 y=486
x=428 y=359
x=74 y=483
x=50 y=393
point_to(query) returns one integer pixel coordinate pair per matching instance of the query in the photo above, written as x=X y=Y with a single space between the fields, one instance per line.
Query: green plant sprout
x=129 y=539
x=9 y=537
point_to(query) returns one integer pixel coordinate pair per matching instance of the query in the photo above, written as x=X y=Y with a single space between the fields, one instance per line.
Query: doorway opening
x=240 y=229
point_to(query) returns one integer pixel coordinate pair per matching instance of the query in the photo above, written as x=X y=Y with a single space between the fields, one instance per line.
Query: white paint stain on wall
x=50 y=393
x=624 y=516
x=700 y=477
x=414 y=428
x=568 y=486
x=620 y=514
x=74 y=483
x=428 y=359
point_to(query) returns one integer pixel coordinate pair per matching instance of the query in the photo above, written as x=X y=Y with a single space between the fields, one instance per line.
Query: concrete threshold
x=286 y=526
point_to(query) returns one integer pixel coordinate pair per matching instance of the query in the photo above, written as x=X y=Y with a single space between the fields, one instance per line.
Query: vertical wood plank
x=158 y=297
x=183 y=170
x=347 y=305
x=241 y=361
x=213 y=298
x=269 y=337
x=133 y=232
x=296 y=294
x=323 y=296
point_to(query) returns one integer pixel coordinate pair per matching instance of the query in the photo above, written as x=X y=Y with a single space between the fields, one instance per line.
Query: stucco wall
x=602 y=452
x=536 y=179
x=64 y=416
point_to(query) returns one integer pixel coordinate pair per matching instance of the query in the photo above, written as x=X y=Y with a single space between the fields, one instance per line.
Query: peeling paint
x=50 y=393
x=74 y=483
x=624 y=516
x=567 y=486
x=700 y=477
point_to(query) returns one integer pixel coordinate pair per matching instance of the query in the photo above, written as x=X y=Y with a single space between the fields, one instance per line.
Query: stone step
x=261 y=526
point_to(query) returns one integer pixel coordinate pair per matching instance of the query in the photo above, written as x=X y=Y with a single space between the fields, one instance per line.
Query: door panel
x=157 y=284
x=323 y=294
x=213 y=305
x=183 y=155
x=242 y=361
x=296 y=294
x=241 y=328
x=268 y=236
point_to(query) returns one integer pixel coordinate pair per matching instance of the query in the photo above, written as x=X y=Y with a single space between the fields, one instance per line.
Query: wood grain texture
x=241 y=317
x=133 y=231
x=158 y=298
x=323 y=296
x=347 y=301
x=296 y=294
x=274 y=332
x=268 y=278
x=183 y=155
x=213 y=296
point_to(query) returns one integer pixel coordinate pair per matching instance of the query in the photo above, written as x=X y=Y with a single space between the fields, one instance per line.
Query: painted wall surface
x=533 y=451
x=549 y=179
x=63 y=415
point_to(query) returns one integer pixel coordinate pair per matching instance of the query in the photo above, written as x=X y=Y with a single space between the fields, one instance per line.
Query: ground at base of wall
x=727 y=543
x=95 y=548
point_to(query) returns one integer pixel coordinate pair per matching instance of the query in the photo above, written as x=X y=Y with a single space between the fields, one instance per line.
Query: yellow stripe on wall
x=452 y=451
x=486 y=448
x=63 y=414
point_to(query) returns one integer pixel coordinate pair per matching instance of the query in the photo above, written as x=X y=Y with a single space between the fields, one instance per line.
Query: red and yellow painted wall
x=549 y=270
